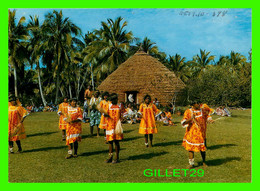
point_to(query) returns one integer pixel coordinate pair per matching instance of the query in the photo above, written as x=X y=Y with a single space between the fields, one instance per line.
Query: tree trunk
x=15 y=81
x=78 y=86
x=62 y=94
x=40 y=86
x=70 y=90
x=92 y=77
x=84 y=79
x=57 y=88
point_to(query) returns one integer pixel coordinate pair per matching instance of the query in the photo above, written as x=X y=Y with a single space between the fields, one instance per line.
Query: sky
x=181 y=31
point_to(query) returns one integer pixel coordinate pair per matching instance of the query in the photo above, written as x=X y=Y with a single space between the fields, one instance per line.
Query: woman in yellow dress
x=148 y=111
x=195 y=122
x=104 y=104
x=63 y=107
x=112 y=136
x=74 y=129
x=16 y=131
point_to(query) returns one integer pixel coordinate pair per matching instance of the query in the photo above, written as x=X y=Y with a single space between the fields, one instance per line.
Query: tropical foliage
x=55 y=58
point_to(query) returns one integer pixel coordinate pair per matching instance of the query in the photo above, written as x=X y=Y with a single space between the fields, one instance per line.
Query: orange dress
x=195 y=131
x=73 y=130
x=63 y=107
x=103 y=121
x=147 y=125
x=206 y=109
x=114 y=112
x=16 y=129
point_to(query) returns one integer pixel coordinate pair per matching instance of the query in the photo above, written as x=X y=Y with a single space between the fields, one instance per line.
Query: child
x=114 y=114
x=74 y=130
x=61 y=112
x=147 y=112
x=194 y=120
x=169 y=116
x=164 y=119
x=16 y=131
x=104 y=104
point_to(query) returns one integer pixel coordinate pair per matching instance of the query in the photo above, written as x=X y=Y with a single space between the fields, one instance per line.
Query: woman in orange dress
x=114 y=115
x=63 y=107
x=104 y=104
x=148 y=111
x=16 y=131
x=195 y=122
x=73 y=130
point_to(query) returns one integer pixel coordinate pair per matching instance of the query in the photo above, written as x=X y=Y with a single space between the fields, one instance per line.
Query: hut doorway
x=131 y=96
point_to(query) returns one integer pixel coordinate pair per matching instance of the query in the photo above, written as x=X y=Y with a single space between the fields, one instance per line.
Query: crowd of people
x=104 y=112
x=48 y=108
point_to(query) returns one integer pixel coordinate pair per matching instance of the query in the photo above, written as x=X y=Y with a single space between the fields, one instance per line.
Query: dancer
x=195 y=122
x=16 y=131
x=148 y=112
x=63 y=107
x=114 y=131
x=73 y=118
x=104 y=104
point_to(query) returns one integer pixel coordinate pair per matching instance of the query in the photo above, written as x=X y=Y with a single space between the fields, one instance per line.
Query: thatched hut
x=142 y=74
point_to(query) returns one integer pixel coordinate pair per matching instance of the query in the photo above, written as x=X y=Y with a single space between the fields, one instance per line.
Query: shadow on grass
x=87 y=136
x=86 y=154
x=128 y=131
x=241 y=116
x=130 y=139
x=44 y=149
x=217 y=162
x=146 y=156
x=42 y=134
x=168 y=143
x=214 y=147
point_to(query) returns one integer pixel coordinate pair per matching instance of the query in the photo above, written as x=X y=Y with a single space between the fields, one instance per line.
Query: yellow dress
x=73 y=130
x=16 y=129
x=147 y=125
x=103 y=121
x=114 y=113
x=195 y=131
x=63 y=107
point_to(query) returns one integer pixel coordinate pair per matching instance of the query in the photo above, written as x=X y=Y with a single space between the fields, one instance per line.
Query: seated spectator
x=169 y=116
x=223 y=111
x=129 y=115
x=164 y=119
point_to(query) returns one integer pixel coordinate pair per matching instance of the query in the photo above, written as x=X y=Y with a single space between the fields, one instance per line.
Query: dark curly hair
x=147 y=96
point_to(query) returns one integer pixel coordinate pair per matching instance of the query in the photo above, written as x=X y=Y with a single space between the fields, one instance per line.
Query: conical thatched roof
x=144 y=74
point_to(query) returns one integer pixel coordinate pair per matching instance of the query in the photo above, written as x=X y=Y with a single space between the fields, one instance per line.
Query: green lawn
x=43 y=159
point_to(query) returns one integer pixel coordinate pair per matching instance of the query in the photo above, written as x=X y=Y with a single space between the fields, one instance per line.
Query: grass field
x=43 y=159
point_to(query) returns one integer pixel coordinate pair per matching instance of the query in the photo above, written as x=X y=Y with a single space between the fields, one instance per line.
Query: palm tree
x=202 y=61
x=35 y=49
x=89 y=54
x=111 y=47
x=223 y=61
x=150 y=48
x=236 y=59
x=57 y=39
x=17 y=53
x=179 y=67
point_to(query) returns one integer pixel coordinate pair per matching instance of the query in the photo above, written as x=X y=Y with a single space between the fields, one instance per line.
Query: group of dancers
x=195 y=121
